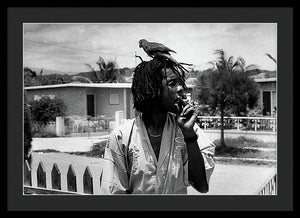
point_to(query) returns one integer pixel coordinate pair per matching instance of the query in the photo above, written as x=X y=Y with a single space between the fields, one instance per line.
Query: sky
x=69 y=47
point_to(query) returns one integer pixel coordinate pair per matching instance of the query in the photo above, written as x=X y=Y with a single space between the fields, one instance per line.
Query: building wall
x=108 y=101
x=74 y=98
x=267 y=86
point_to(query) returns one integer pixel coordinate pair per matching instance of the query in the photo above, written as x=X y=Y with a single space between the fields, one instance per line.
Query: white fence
x=239 y=123
x=86 y=124
x=68 y=178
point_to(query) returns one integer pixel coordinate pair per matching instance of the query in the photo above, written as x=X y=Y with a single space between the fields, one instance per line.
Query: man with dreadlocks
x=159 y=151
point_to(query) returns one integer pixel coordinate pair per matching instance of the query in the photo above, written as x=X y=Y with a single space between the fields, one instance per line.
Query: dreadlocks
x=147 y=81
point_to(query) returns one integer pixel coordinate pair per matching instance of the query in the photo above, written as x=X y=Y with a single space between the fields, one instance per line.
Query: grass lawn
x=243 y=141
x=243 y=147
x=230 y=151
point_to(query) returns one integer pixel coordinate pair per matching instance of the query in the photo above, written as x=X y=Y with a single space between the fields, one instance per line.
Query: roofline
x=82 y=85
x=88 y=85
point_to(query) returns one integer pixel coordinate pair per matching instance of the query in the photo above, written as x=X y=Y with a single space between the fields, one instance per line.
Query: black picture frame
x=16 y=16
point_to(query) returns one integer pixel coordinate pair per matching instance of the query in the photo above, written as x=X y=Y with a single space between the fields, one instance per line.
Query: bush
x=243 y=141
x=241 y=148
x=43 y=134
x=46 y=110
x=254 y=112
x=97 y=150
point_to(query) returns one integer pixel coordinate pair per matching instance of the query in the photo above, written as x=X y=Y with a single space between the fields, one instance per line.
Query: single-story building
x=267 y=84
x=90 y=98
x=268 y=95
x=106 y=98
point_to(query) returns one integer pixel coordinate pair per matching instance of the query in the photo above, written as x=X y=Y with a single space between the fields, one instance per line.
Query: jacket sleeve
x=207 y=148
x=115 y=179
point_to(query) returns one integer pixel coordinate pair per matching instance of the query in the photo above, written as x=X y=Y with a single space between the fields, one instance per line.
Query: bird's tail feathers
x=185 y=64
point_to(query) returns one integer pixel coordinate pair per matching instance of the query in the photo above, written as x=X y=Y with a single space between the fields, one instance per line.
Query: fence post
x=60 y=126
x=273 y=124
x=205 y=124
x=119 y=116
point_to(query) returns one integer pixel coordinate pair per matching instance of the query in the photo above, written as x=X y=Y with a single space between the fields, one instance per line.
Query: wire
x=84 y=50
x=77 y=49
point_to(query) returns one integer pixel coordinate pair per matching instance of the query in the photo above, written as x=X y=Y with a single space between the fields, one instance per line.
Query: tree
x=46 y=109
x=81 y=79
x=107 y=72
x=27 y=131
x=53 y=79
x=271 y=57
x=30 y=77
x=228 y=89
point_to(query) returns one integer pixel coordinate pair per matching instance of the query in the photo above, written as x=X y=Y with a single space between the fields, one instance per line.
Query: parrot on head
x=154 y=49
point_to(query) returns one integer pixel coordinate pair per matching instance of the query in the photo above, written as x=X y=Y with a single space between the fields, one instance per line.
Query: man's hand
x=186 y=120
x=196 y=165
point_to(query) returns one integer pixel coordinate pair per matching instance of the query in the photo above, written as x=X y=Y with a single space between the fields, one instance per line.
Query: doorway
x=90 y=105
x=266 y=103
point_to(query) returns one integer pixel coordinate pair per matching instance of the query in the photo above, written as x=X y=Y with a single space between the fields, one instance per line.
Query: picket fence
x=268 y=188
x=239 y=123
x=56 y=181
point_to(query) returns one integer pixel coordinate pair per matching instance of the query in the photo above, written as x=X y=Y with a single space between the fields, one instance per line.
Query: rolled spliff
x=181 y=103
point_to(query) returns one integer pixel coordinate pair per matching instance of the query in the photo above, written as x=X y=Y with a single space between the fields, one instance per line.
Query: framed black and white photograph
x=88 y=115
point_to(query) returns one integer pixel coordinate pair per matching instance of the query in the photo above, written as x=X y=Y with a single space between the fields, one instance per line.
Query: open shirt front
x=133 y=168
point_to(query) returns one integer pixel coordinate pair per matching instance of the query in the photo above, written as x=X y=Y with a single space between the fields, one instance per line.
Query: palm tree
x=30 y=77
x=107 y=73
x=81 y=79
x=270 y=56
x=31 y=72
x=230 y=87
x=41 y=76
x=228 y=64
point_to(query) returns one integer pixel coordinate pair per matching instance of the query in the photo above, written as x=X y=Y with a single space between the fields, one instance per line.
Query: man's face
x=171 y=90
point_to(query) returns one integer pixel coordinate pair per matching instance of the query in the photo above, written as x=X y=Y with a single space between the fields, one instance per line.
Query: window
x=114 y=99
